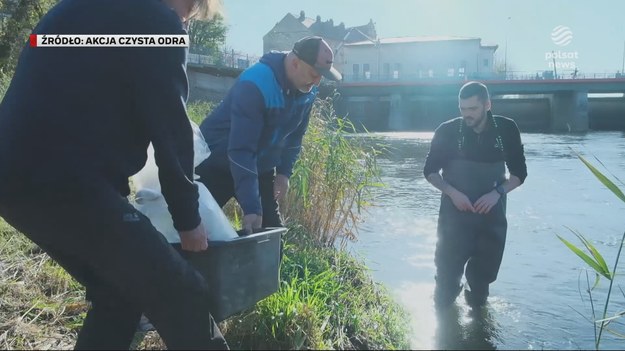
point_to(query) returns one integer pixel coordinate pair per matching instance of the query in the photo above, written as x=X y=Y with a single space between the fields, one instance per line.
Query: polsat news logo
x=96 y=40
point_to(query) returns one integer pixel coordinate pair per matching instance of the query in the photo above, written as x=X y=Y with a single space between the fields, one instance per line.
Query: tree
x=207 y=36
x=23 y=15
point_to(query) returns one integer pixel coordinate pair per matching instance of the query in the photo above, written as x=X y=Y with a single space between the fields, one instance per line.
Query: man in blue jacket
x=255 y=134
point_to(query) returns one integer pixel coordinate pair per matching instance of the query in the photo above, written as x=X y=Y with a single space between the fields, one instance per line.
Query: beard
x=473 y=122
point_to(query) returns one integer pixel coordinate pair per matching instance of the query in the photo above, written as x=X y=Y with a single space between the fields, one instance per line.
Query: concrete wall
x=366 y=112
x=606 y=113
x=530 y=114
x=425 y=113
x=209 y=86
x=569 y=111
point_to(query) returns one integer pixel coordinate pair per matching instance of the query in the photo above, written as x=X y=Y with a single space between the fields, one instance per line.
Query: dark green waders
x=477 y=240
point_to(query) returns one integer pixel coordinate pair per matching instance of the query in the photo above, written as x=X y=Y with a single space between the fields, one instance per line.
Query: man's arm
x=515 y=160
x=438 y=155
x=515 y=157
x=247 y=122
x=511 y=183
x=439 y=183
x=160 y=92
x=460 y=200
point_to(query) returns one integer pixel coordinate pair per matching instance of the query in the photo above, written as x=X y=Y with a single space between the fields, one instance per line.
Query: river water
x=539 y=299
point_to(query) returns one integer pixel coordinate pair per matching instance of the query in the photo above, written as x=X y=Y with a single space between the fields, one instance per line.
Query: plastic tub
x=239 y=272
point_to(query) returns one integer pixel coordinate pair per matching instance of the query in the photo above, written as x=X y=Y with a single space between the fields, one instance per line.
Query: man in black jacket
x=75 y=124
x=472 y=151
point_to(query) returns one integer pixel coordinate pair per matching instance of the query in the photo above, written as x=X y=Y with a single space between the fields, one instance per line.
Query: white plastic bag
x=147 y=177
x=150 y=201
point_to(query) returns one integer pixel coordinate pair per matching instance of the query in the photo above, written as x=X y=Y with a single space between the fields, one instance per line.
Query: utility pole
x=505 y=55
x=623 y=64
x=555 y=70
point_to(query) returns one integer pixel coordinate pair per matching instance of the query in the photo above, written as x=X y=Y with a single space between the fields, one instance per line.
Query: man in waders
x=472 y=151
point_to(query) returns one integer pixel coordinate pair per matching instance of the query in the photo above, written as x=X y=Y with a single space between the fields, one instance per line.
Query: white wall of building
x=393 y=59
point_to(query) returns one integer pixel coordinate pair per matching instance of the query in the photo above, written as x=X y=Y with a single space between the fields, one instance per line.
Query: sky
x=593 y=40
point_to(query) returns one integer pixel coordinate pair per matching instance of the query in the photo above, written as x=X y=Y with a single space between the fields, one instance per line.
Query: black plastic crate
x=239 y=272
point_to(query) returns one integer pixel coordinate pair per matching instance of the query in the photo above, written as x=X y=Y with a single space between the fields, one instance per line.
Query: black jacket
x=454 y=140
x=86 y=115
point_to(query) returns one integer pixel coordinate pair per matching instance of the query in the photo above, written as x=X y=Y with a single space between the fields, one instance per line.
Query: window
x=450 y=72
x=485 y=62
x=356 y=71
x=461 y=72
x=366 y=71
x=396 y=71
x=431 y=73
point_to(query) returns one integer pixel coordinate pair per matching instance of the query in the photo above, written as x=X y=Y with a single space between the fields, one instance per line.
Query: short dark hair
x=472 y=89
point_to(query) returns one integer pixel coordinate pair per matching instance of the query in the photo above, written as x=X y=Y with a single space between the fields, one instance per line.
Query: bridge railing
x=410 y=77
x=223 y=59
x=511 y=75
x=538 y=75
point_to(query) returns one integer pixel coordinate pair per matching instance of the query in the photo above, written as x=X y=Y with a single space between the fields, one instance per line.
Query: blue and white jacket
x=258 y=126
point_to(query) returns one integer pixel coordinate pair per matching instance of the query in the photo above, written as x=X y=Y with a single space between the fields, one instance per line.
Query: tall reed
x=333 y=178
x=595 y=260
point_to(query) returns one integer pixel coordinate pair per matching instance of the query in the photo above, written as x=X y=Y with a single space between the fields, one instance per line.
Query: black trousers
x=221 y=185
x=126 y=265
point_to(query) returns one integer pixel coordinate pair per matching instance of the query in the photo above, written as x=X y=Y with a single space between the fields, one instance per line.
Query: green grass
x=327 y=299
x=198 y=111
x=41 y=305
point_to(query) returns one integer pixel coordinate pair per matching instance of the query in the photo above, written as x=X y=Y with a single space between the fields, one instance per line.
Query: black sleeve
x=160 y=91
x=515 y=155
x=442 y=149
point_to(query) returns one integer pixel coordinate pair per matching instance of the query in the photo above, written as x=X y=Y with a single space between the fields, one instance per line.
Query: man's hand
x=461 y=201
x=251 y=222
x=280 y=187
x=484 y=204
x=194 y=240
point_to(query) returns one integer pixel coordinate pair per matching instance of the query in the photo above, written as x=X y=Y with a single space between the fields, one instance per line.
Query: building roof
x=490 y=46
x=308 y=22
x=327 y=29
x=355 y=35
x=417 y=39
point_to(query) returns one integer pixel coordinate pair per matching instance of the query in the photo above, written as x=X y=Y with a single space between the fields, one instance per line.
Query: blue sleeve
x=293 y=146
x=247 y=121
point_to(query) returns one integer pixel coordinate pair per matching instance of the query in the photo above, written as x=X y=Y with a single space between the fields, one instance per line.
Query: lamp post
x=555 y=69
x=623 y=64
x=505 y=55
x=377 y=44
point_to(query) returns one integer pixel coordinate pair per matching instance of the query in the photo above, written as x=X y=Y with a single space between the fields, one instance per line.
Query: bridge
x=551 y=105
x=548 y=105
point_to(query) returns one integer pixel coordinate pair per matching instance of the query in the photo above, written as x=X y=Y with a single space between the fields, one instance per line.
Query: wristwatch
x=499 y=189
